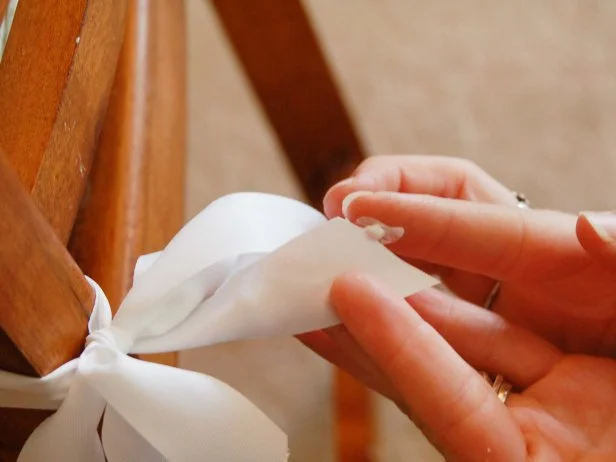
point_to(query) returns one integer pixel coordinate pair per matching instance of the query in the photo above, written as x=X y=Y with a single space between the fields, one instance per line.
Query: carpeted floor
x=527 y=89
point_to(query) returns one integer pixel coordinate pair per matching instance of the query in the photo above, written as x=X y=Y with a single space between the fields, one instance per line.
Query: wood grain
x=286 y=67
x=164 y=186
x=135 y=200
x=45 y=301
x=3 y=7
x=55 y=78
x=126 y=212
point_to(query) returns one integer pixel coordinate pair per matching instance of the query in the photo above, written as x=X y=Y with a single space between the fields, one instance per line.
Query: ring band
x=503 y=392
x=501 y=387
x=498 y=381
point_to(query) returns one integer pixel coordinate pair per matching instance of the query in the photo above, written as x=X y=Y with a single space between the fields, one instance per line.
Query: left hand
x=558 y=273
x=421 y=354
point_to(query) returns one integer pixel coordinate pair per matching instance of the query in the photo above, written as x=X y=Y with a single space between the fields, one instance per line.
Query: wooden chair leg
x=55 y=78
x=45 y=301
x=286 y=67
x=135 y=202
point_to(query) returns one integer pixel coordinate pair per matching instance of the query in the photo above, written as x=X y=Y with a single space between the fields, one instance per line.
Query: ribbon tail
x=70 y=435
x=183 y=415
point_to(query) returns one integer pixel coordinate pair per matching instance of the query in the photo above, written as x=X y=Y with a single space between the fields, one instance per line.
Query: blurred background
x=526 y=89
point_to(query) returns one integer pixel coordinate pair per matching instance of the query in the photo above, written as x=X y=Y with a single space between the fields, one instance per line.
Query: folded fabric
x=249 y=265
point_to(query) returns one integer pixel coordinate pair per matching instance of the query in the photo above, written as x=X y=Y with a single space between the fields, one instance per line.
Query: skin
x=551 y=332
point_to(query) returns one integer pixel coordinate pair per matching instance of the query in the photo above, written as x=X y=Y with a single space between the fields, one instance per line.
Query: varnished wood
x=45 y=301
x=106 y=237
x=278 y=49
x=164 y=187
x=55 y=78
x=125 y=211
x=3 y=7
x=16 y=426
x=135 y=202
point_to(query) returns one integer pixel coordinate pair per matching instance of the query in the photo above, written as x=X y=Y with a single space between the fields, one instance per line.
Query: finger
x=350 y=357
x=486 y=340
x=596 y=232
x=452 y=403
x=503 y=243
x=431 y=175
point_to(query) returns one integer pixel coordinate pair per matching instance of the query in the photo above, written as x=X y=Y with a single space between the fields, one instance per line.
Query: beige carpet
x=527 y=89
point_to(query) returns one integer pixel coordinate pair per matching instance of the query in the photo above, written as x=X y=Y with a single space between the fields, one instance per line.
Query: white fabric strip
x=249 y=265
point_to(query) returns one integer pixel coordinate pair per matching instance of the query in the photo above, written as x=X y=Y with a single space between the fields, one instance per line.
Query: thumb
x=451 y=402
x=596 y=232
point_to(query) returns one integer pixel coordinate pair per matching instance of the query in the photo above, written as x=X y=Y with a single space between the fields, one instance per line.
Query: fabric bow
x=249 y=265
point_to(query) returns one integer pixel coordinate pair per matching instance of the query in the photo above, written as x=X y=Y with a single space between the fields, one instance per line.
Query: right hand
x=422 y=355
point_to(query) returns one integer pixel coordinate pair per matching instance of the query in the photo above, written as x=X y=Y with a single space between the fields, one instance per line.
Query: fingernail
x=346 y=202
x=604 y=224
x=381 y=232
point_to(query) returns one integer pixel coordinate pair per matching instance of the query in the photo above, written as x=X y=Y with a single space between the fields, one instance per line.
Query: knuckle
x=381 y=161
x=507 y=263
x=467 y=165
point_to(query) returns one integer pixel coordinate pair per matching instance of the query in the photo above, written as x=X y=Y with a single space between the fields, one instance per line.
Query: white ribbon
x=249 y=265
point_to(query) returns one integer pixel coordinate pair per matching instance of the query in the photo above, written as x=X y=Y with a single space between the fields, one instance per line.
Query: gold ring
x=501 y=387
x=503 y=392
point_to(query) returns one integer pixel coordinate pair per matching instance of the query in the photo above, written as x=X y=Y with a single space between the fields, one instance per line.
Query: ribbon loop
x=249 y=265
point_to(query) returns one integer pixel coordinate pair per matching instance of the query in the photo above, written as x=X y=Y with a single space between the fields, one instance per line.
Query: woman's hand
x=557 y=270
x=422 y=354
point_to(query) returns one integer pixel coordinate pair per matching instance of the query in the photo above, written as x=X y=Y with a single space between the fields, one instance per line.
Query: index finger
x=504 y=243
x=440 y=176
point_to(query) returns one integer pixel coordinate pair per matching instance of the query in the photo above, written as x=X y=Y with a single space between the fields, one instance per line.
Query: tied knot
x=111 y=337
